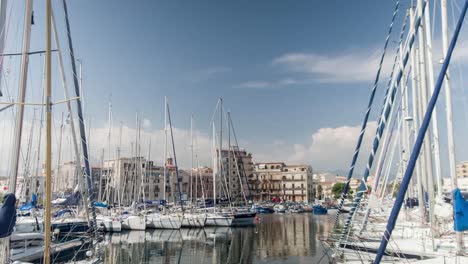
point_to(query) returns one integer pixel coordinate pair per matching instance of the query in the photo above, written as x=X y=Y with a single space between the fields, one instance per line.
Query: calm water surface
x=288 y=238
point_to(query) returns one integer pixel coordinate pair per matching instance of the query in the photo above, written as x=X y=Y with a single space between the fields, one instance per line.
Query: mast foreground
x=48 y=162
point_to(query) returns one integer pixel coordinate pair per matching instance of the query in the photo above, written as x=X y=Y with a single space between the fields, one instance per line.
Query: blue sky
x=296 y=75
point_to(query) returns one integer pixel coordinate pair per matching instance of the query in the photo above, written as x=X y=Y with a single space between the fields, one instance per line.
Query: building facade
x=286 y=182
x=462 y=178
x=237 y=170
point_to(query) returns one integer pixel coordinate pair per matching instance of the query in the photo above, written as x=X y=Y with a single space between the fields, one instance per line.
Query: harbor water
x=275 y=238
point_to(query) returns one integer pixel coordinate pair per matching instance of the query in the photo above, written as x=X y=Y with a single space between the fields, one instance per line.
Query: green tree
x=337 y=189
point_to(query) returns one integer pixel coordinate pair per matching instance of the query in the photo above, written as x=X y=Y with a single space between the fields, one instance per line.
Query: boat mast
x=430 y=77
x=175 y=160
x=165 y=151
x=191 y=158
x=48 y=158
x=424 y=102
x=84 y=144
x=215 y=166
x=220 y=157
x=417 y=146
x=3 y=7
x=229 y=155
x=415 y=110
x=119 y=167
x=21 y=97
x=448 y=103
x=110 y=164
x=70 y=112
x=59 y=152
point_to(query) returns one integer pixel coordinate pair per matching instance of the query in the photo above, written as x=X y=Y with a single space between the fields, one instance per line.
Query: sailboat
x=31 y=241
x=224 y=216
x=167 y=220
x=426 y=231
x=194 y=217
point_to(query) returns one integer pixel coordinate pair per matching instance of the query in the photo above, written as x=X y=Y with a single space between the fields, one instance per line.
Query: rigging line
x=5 y=39
x=395 y=63
x=388 y=107
x=434 y=9
x=399 y=107
x=417 y=146
x=366 y=116
x=458 y=66
x=84 y=143
x=29 y=53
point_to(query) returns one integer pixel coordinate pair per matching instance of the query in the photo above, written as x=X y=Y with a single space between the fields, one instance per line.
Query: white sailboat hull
x=194 y=220
x=218 y=220
x=161 y=221
x=134 y=222
x=108 y=224
x=233 y=219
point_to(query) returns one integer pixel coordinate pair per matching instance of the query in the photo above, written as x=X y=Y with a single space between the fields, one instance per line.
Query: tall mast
x=415 y=111
x=48 y=158
x=57 y=174
x=165 y=149
x=215 y=166
x=448 y=103
x=3 y=7
x=430 y=77
x=69 y=108
x=220 y=157
x=84 y=144
x=229 y=154
x=175 y=160
x=21 y=97
x=119 y=167
x=191 y=158
x=417 y=146
x=424 y=101
x=109 y=163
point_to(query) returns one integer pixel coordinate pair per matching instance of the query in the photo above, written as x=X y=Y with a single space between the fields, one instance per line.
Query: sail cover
x=7 y=215
x=460 y=211
x=32 y=204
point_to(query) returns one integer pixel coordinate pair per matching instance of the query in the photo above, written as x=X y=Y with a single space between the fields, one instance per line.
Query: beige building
x=323 y=185
x=137 y=179
x=237 y=169
x=462 y=178
x=202 y=182
x=287 y=182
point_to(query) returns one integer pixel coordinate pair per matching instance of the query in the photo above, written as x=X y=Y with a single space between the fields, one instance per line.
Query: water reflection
x=286 y=238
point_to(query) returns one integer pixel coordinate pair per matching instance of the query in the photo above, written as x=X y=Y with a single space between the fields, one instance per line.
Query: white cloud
x=253 y=84
x=354 y=66
x=98 y=141
x=270 y=84
x=146 y=123
x=329 y=148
